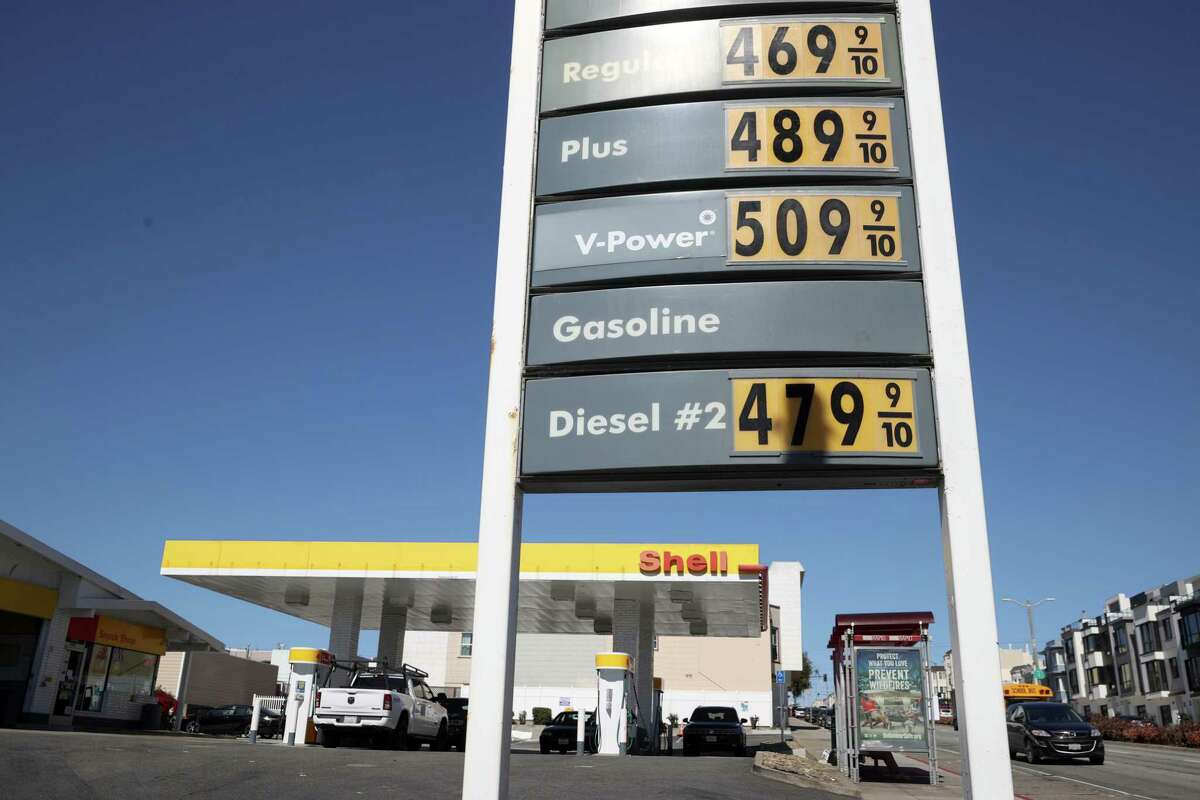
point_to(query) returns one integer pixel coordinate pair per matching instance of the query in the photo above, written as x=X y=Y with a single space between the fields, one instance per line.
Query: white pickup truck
x=392 y=708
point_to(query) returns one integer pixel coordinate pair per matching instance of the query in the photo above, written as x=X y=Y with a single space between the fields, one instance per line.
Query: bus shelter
x=881 y=689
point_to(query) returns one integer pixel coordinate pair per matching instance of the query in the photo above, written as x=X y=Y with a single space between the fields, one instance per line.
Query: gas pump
x=612 y=684
x=310 y=670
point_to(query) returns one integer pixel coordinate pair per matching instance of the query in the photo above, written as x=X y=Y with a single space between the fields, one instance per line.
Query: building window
x=655 y=642
x=1126 y=678
x=1074 y=679
x=1093 y=643
x=1141 y=712
x=1173 y=665
x=1189 y=629
x=1148 y=633
x=1104 y=711
x=1087 y=712
x=1164 y=713
x=1168 y=632
x=1156 y=676
x=1192 y=667
x=1122 y=637
x=464 y=645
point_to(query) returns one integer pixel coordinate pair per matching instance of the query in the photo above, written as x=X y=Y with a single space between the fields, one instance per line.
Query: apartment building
x=1139 y=657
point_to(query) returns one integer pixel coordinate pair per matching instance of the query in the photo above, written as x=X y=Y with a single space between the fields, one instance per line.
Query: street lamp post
x=1029 y=606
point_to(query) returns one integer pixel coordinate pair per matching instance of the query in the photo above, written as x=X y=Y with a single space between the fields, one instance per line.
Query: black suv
x=1044 y=731
x=714 y=728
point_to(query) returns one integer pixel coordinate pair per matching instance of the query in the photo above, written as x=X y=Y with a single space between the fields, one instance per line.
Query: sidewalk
x=911 y=780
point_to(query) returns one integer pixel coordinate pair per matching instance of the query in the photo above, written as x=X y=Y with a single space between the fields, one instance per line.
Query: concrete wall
x=219 y=679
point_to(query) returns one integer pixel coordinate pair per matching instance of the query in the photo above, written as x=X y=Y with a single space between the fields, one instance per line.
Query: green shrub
x=541 y=716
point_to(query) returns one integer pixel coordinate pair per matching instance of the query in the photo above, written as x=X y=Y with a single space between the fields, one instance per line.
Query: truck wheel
x=442 y=742
x=329 y=736
x=400 y=735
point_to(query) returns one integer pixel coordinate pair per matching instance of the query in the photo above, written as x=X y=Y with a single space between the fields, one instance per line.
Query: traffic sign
x=1039 y=674
x=659 y=61
x=779 y=676
x=723 y=142
x=795 y=230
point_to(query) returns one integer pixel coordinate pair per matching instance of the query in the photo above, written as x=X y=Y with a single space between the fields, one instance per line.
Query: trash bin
x=151 y=719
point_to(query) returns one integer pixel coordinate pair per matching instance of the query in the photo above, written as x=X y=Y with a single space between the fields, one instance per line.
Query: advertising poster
x=891 y=699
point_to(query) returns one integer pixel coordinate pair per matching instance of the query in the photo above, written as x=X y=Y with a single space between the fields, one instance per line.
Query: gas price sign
x=825 y=137
x=798 y=230
x=706 y=56
x=765 y=420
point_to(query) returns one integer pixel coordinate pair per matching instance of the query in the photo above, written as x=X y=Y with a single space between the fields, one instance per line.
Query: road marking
x=1054 y=775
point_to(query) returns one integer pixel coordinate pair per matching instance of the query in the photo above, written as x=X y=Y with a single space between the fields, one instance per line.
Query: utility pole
x=1029 y=606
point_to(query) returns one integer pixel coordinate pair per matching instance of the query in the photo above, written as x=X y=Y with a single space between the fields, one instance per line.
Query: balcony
x=1096 y=658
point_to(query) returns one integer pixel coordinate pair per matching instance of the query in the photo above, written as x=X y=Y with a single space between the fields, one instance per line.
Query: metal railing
x=268 y=703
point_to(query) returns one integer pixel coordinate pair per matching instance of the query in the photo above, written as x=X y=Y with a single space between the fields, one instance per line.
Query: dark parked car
x=222 y=719
x=1045 y=731
x=456 y=719
x=270 y=724
x=562 y=733
x=714 y=728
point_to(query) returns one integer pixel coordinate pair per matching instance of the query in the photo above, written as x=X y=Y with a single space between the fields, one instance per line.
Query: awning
x=697 y=589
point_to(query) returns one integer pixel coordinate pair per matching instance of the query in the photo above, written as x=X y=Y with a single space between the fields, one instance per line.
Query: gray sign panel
x=622 y=238
x=566 y=13
x=821 y=317
x=691 y=57
x=625 y=426
x=689 y=142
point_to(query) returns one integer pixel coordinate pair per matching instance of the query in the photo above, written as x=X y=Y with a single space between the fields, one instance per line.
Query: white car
x=391 y=708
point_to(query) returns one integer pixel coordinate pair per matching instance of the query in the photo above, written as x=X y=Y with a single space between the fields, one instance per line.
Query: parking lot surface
x=43 y=764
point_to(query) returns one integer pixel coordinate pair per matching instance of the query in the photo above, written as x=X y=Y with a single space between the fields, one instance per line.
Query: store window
x=95 y=677
x=122 y=675
x=465 y=644
x=130 y=675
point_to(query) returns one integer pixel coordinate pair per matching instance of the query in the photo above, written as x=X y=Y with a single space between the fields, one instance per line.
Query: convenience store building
x=77 y=649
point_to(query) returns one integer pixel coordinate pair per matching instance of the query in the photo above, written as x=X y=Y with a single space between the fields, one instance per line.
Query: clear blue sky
x=246 y=266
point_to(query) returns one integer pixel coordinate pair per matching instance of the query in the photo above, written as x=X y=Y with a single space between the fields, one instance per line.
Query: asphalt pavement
x=1145 y=772
x=46 y=765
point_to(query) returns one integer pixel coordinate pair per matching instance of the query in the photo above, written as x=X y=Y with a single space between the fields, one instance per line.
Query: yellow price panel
x=824 y=415
x=822 y=226
x=803 y=49
x=809 y=135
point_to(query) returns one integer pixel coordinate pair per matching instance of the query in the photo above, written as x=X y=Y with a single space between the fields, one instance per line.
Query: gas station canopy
x=697 y=589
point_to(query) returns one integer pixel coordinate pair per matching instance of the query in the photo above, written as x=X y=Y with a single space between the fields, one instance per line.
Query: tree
x=802 y=680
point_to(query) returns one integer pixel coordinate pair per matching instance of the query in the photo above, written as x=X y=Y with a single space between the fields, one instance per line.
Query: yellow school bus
x=1026 y=693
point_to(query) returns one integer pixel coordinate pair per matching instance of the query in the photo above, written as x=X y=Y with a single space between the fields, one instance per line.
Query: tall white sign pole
x=983 y=735
x=485 y=771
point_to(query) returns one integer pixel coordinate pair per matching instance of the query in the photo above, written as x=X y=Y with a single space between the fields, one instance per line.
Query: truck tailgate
x=352 y=701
